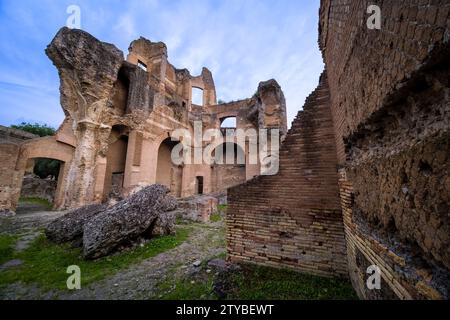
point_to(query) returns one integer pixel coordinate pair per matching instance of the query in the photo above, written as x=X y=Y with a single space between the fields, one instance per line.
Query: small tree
x=41 y=130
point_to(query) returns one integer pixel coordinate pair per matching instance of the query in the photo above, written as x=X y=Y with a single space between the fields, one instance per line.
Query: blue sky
x=242 y=42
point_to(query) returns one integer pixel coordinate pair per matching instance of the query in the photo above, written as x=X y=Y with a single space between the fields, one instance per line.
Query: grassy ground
x=7 y=243
x=45 y=263
x=258 y=283
x=255 y=282
x=222 y=208
x=221 y=211
x=42 y=202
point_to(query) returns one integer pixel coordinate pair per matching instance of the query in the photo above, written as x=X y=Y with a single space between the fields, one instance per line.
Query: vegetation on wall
x=42 y=130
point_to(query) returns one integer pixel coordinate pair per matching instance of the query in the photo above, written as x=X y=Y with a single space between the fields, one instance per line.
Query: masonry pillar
x=133 y=161
x=81 y=175
x=9 y=178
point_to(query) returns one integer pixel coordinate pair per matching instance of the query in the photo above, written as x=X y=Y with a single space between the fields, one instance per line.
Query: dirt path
x=139 y=281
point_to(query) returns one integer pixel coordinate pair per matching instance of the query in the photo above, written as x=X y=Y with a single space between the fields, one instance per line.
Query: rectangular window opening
x=142 y=65
x=199 y=184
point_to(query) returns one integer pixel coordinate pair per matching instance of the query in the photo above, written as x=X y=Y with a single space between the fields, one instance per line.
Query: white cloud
x=241 y=42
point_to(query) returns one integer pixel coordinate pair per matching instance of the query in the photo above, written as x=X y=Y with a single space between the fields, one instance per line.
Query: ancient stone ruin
x=119 y=117
x=364 y=170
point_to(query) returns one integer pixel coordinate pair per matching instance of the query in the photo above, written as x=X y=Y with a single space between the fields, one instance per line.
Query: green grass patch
x=222 y=208
x=216 y=217
x=255 y=283
x=46 y=263
x=264 y=283
x=7 y=243
x=187 y=289
x=43 y=202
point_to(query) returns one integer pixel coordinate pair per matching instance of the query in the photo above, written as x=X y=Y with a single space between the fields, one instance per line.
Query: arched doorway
x=167 y=173
x=40 y=184
x=50 y=159
x=228 y=167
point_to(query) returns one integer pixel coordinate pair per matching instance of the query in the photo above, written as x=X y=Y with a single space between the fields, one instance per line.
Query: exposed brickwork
x=364 y=65
x=390 y=105
x=294 y=219
x=10 y=135
x=8 y=157
x=389 y=102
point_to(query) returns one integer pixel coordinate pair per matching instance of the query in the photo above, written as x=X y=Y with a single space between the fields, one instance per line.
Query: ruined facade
x=364 y=170
x=119 y=117
x=364 y=177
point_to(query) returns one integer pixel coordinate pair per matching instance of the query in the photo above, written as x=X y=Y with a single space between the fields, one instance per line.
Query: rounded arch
x=229 y=168
x=229 y=153
x=216 y=143
x=116 y=156
x=228 y=122
x=227 y=114
x=160 y=139
x=46 y=147
x=168 y=173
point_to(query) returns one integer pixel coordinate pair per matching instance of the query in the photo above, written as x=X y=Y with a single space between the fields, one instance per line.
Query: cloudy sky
x=242 y=42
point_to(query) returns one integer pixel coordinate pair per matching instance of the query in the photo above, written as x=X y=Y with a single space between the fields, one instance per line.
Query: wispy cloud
x=241 y=42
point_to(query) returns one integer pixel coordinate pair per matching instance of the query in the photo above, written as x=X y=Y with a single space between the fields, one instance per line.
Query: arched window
x=228 y=123
x=197 y=96
x=229 y=154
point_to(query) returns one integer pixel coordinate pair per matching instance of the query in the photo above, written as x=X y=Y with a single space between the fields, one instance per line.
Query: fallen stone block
x=198 y=208
x=125 y=222
x=70 y=226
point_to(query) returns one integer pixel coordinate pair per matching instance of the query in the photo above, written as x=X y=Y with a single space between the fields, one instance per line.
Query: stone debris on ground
x=101 y=230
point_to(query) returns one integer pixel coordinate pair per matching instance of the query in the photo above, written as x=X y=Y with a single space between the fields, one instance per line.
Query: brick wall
x=389 y=100
x=365 y=66
x=10 y=135
x=294 y=219
x=390 y=104
x=8 y=177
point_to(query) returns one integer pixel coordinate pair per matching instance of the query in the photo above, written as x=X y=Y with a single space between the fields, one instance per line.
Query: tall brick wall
x=9 y=192
x=10 y=135
x=391 y=109
x=294 y=219
x=365 y=66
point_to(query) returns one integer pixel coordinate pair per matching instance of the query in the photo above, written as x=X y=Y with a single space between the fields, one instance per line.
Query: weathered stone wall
x=390 y=105
x=10 y=135
x=142 y=101
x=35 y=187
x=293 y=219
x=9 y=179
x=364 y=65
